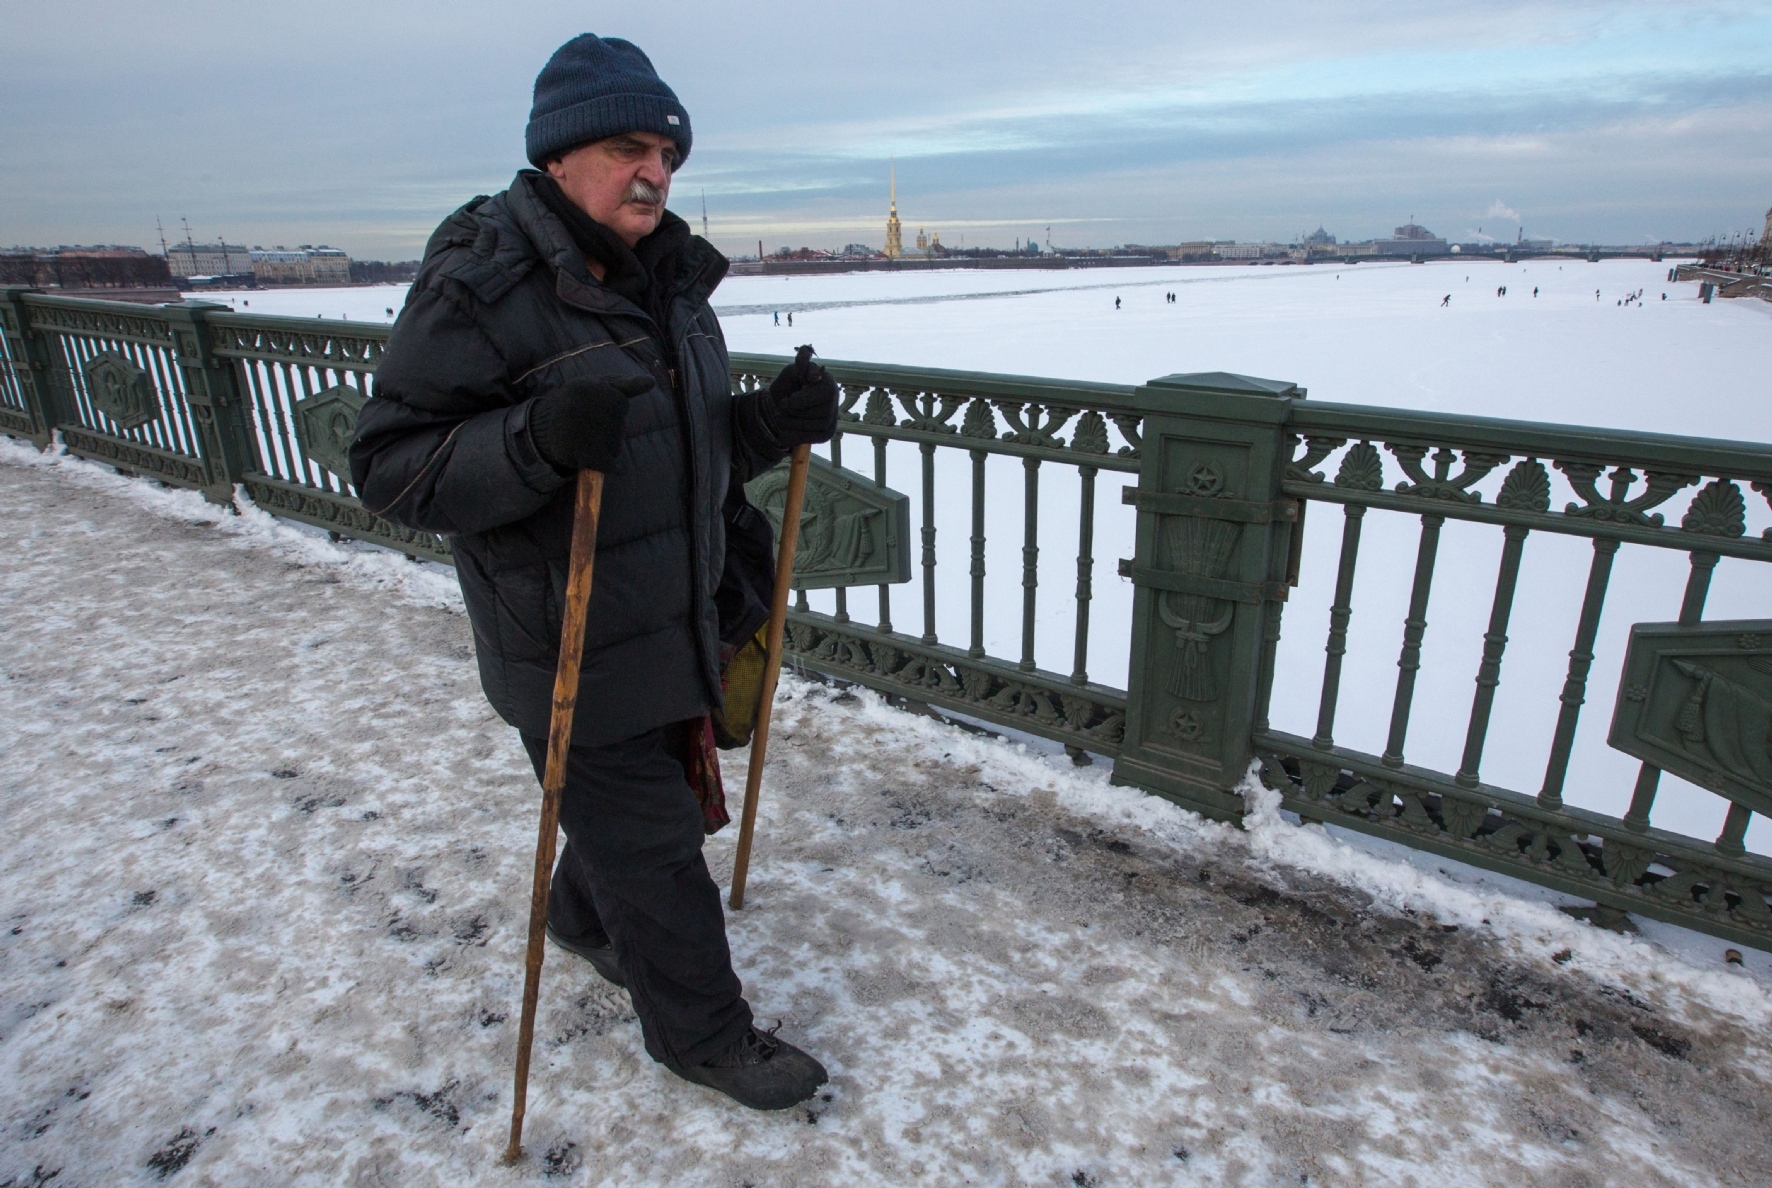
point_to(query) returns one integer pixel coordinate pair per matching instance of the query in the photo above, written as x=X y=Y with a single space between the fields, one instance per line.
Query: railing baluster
x=1642 y=798
x=1494 y=644
x=1581 y=659
x=284 y=398
x=1340 y=612
x=1414 y=627
x=1085 y=572
x=1732 y=839
x=842 y=592
x=885 y=627
x=976 y=650
x=1030 y=560
x=260 y=383
x=928 y=449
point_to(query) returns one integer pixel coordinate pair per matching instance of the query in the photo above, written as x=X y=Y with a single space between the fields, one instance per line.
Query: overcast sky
x=363 y=124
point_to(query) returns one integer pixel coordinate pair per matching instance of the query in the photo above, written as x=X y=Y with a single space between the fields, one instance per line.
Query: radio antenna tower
x=704 y=213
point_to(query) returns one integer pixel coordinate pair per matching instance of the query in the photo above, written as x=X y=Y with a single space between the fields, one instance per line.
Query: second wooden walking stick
x=572 y=643
x=778 y=613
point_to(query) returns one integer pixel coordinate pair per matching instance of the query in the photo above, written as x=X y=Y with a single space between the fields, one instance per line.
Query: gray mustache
x=644 y=191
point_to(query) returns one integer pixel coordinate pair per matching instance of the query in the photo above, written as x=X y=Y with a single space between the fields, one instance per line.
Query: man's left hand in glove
x=801 y=405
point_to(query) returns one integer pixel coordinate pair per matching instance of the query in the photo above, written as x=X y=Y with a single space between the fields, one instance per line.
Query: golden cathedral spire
x=894 y=235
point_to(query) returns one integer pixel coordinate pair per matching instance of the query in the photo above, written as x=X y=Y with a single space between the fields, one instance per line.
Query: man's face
x=621 y=181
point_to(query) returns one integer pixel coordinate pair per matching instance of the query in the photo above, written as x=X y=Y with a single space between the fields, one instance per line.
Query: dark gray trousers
x=632 y=872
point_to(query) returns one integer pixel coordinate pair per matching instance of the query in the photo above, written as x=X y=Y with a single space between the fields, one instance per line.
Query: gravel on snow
x=264 y=877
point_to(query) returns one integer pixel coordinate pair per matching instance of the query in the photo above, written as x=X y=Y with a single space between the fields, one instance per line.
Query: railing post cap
x=1226 y=381
x=1219 y=395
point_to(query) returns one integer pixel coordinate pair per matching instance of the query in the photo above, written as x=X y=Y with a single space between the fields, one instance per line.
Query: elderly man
x=564 y=325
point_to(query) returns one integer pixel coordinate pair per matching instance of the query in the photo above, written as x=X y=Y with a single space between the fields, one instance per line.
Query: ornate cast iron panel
x=343 y=515
x=325 y=423
x=121 y=390
x=853 y=532
x=1697 y=701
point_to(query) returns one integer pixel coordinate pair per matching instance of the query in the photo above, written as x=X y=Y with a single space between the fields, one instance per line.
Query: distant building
x=1411 y=239
x=109 y=266
x=305 y=265
x=1319 y=238
x=208 y=259
x=331 y=266
x=1766 y=235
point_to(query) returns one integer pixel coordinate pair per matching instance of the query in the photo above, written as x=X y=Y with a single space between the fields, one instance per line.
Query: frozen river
x=1557 y=347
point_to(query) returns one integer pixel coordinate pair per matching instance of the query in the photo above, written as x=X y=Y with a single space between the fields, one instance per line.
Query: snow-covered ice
x=265 y=873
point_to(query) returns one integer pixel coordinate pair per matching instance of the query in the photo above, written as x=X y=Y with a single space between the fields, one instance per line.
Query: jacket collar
x=700 y=267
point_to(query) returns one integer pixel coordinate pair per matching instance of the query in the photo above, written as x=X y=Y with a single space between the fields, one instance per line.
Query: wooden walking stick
x=572 y=646
x=778 y=613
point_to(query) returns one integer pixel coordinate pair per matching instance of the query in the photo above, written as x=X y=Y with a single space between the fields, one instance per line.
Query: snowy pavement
x=264 y=862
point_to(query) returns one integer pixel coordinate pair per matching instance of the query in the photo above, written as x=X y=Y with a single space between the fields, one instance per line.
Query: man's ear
x=555 y=167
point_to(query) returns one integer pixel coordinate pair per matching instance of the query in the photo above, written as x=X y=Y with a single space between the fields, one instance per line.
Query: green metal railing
x=983 y=416
x=1225 y=471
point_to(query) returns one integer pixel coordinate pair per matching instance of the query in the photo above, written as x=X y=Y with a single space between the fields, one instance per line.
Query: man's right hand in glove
x=581 y=424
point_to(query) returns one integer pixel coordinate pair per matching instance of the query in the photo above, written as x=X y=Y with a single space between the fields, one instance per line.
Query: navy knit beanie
x=595 y=87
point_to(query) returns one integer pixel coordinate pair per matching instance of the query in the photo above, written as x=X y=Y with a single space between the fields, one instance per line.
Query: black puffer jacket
x=504 y=309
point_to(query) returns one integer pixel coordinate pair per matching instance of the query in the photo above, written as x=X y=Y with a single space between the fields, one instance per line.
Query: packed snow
x=1562 y=345
x=265 y=882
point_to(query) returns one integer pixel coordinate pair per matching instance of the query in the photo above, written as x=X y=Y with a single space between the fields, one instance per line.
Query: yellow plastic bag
x=741 y=677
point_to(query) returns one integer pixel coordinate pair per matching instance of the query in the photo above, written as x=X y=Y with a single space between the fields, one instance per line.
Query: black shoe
x=760 y=1071
x=601 y=957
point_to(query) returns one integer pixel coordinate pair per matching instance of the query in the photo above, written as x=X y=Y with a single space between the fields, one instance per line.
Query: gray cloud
x=363 y=125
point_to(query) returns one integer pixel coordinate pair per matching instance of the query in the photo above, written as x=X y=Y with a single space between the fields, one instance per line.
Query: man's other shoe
x=601 y=957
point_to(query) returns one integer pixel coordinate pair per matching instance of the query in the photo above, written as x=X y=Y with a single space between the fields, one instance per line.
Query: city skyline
x=1622 y=123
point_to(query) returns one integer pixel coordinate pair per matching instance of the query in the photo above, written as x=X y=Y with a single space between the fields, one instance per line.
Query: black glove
x=580 y=425
x=802 y=404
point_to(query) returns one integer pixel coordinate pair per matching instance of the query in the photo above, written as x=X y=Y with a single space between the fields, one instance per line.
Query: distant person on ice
x=564 y=325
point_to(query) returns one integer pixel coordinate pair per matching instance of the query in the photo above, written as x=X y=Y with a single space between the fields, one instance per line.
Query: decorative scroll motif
x=879 y=409
x=1578 y=857
x=852 y=532
x=929 y=411
x=1362 y=469
x=1618 y=509
x=1091 y=436
x=980 y=421
x=1766 y=490
x=1315 y=450
x=174 y=468
x=1442 y=484
x=850 y=396
x=1526 y=488
x=1717 y=510
x=325 y=423
x=1199 y=548
x=359 y=352
x=96 y=323
x=121 y=390
x=17 y=422
x=342 y=514
x=1129 y=429
x=1696 y=700
x=1041 y=427
x=1052 y=708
